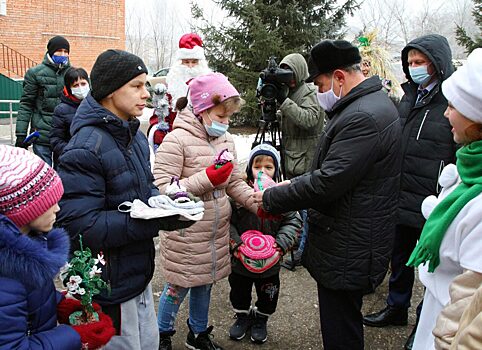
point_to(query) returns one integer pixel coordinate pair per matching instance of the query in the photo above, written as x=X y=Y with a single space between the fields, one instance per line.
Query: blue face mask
x=216 y=129
x=60 y=59
x=419 y=74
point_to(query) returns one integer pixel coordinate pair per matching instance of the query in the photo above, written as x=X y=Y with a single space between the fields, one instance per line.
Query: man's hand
x=258 y=198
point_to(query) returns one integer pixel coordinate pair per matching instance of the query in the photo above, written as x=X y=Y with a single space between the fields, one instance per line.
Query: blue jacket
x=28 y=299
x=61 y=120
x=106 y=163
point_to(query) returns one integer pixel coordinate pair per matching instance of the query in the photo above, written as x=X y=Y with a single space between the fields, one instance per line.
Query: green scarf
x=469 y=160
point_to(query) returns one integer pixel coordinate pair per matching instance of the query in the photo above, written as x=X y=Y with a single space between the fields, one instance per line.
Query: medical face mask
x=328 y=99
x=60 y=59
x=81 y=92
x=216 y=129
x=419 y=74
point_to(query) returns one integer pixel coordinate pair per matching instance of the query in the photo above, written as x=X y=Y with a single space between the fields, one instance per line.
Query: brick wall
x=91 y=26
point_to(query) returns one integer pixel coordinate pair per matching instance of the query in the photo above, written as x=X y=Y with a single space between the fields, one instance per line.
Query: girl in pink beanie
x=31 y=254
x=192 y=260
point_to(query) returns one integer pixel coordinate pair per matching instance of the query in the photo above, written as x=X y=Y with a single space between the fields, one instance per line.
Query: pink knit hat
x=28 y=186
x=205 y=89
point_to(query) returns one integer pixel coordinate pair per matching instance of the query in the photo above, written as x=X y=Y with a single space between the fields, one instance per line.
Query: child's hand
x=219 y=176
x=278 y=248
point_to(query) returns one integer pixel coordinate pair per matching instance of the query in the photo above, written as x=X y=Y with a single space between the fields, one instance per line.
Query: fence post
x=11 y=122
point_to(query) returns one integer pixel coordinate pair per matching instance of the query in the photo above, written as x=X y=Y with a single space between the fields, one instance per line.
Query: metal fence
x=11 y=112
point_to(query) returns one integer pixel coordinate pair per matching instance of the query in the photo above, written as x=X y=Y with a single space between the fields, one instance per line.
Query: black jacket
x=106 y=163
x=61 y=120
x=427 y=140
x=352 y=192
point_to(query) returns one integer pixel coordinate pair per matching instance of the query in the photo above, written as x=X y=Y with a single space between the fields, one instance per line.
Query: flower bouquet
x=81 y=277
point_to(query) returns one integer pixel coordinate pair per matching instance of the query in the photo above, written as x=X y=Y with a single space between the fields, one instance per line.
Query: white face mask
x=328 y=99
x=81 y=92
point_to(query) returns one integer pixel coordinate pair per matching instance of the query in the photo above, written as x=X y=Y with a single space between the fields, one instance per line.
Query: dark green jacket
x=42 y=86
x=301 y=120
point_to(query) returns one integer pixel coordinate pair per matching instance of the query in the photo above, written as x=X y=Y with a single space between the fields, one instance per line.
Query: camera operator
x=301 y=127
x=301 y=118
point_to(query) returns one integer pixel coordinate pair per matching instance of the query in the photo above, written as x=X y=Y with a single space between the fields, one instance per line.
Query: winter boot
x=259 y=329
x=165 y=340
x=202 y=341
x=241 y=325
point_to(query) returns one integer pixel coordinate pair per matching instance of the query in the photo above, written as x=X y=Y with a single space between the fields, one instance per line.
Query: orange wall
x=91 y=26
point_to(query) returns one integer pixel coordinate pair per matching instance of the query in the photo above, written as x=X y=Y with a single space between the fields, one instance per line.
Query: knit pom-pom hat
x=28 y=186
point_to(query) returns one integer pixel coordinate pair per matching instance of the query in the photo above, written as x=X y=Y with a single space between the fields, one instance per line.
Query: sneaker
x=203 y=341
x=241 y=325
x=165 y=340
x=259 y=329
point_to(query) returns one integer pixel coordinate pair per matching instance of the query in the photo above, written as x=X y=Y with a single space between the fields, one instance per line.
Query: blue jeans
x=171 y=299
x=44 y=152
x=304 y=230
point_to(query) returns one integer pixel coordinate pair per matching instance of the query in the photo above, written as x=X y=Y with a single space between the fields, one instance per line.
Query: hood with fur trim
x=34 y=261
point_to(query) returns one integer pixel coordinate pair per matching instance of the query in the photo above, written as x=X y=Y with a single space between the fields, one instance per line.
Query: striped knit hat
x=28 y=186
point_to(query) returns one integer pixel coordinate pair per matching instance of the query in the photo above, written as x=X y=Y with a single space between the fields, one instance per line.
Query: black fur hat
x=329 y=55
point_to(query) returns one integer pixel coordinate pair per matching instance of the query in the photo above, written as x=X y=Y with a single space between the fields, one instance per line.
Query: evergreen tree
x=463 y=38
x=256 y=29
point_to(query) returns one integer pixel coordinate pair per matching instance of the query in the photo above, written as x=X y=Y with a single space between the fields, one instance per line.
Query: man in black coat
x=427 y=146
x=351 y=191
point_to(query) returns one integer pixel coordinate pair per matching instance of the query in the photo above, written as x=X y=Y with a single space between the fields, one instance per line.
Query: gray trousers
x=138 y=325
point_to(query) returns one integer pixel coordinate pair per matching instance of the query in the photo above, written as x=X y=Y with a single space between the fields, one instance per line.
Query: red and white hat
x=190 y=47
x=28 y=186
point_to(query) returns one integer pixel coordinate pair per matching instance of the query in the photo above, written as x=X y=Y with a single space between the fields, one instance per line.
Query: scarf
x=469 y=160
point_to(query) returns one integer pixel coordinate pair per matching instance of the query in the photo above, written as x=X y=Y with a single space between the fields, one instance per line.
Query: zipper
x=213 y=239
x=440 y=168
x=421 y=125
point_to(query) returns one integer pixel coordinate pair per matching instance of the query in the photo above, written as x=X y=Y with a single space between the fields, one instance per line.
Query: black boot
x=241 y=325
x=165 y=340
x=259 y=329
x=386 y=317
x=203 y=341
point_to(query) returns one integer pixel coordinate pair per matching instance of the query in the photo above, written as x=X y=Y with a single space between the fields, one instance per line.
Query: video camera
x=271 y=80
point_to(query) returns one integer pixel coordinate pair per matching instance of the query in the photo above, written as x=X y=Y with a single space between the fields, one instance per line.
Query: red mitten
x=96 y=334
x=69 y=305
x=264 y=215
x=218 y=176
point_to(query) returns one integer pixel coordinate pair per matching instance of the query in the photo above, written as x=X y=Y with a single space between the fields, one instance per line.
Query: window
x=3 y=7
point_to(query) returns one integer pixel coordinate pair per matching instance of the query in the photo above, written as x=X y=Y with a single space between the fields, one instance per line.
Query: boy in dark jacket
x=284 y=228
x=106 y=163
x=76 y=88
x=31 y=254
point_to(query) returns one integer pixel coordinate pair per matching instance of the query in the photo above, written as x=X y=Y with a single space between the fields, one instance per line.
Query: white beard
x=179 y=75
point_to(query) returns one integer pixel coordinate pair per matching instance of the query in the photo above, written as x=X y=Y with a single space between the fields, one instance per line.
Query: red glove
x=264 y=215
x=69 y=305
x=96 y=334
x=218 y=176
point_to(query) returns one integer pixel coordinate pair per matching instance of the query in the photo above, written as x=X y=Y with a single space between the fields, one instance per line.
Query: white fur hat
x=190 y=47
x=462 y=89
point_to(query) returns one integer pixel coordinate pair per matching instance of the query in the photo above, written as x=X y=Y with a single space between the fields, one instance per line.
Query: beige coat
x=459 y=325
x=198 y=255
